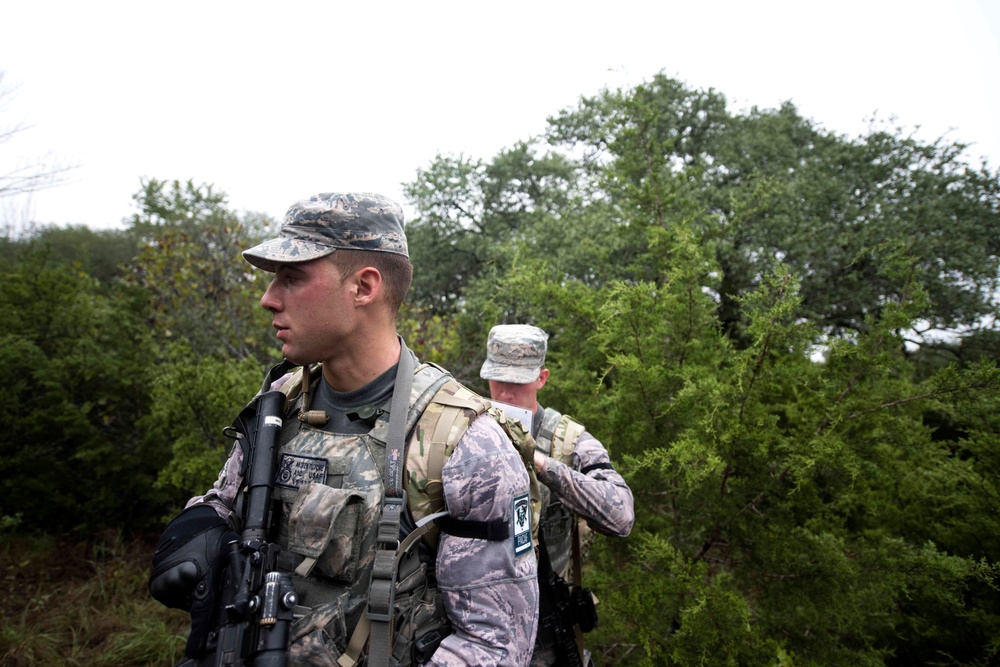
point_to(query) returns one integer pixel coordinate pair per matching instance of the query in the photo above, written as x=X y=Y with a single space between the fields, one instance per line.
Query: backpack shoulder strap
x=567 y=432
x=442 y=423
x=547 y=429
x=525 y=446
x=558 y=435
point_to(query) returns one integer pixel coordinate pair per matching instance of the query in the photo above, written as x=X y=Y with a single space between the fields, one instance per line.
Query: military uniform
x=486 y=591
x=581 y=482
x=331 y=479
x=581 y=490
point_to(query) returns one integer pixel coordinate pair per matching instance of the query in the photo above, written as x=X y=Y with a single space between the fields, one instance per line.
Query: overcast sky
x=272 y=102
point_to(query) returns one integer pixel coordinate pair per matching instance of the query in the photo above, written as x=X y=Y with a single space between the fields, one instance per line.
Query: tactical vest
x=557 y=438
x=330 y=489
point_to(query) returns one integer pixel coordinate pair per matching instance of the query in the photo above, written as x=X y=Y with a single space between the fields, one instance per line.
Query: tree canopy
x=133 y=348
x=768 y=188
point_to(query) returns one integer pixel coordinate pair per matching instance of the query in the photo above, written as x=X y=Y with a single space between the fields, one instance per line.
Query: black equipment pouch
x=583 y=608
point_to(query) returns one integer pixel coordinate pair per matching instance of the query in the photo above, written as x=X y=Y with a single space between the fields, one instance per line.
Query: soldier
x=340 y=272
x=570 y=462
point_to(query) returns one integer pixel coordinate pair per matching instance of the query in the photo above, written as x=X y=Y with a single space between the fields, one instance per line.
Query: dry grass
x=64 y=601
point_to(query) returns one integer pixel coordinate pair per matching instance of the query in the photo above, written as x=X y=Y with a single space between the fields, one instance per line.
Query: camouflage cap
x=514 y=353
x=318 y=226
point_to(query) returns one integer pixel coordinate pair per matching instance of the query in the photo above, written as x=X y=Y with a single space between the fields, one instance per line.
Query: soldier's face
x=521 y=395
x=310 y=307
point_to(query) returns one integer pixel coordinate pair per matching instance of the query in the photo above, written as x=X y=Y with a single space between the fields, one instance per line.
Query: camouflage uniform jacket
x=581 y=482
x=327 y=534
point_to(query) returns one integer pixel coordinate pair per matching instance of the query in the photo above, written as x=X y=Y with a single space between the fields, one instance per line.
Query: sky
x=273 y=102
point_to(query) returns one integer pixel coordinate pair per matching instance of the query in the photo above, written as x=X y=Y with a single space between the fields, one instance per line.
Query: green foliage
x=757 y=189
x=430 y=336
x=806 y=493
x=200 y=288
x=777 y=189
x=193 y=399
x=69 y=455
x=735 y=303
x=102 y=254
x=120 y=389
x=472 y=217
x=795 y=494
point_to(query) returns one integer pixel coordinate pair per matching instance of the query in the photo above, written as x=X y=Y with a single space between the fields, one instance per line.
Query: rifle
x=255 y=601
x=562 y=608
x=554 y=619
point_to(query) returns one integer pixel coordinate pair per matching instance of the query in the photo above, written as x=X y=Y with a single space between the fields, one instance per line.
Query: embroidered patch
x=296 y=470
x=521 y=516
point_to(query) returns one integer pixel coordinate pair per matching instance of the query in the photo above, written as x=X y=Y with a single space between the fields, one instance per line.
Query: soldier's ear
x=543 y=377
x=368 y=285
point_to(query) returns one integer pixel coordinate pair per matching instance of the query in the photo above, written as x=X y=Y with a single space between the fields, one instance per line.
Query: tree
x=190 y=264
x=79 y=364
x=215 y=340
x=778 y=189
x=787 y=509
x=470 y=214
x=193 y=398
x=104 y=254
x=793 y=508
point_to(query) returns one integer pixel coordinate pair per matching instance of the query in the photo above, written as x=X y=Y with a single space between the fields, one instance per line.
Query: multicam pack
x=438 y=431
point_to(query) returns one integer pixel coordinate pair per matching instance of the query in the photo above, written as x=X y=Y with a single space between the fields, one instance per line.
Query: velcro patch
x=521 y=518
x=296 y=470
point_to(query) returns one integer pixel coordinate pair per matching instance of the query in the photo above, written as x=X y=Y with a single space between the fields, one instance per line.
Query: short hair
x=396 y=270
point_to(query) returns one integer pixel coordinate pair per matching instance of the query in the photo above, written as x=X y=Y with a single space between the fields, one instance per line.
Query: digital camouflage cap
x=324 y=223
x=514 y=353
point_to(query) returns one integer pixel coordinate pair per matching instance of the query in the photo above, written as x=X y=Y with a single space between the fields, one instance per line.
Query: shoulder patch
x=520 y=515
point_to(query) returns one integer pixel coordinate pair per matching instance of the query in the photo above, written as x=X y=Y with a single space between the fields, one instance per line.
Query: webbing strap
x=382 y=588
x=443 y=428
x=437 y=454
x=398 y=406
x=352 y=656
x=547 y=429
x=497 y=530
x=458 y=402
x=596 y=466
x=435 y=462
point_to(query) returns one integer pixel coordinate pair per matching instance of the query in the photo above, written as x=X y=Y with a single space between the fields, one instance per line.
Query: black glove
x=187 y=568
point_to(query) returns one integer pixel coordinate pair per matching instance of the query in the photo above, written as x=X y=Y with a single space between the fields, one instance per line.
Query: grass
x=65 y=601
